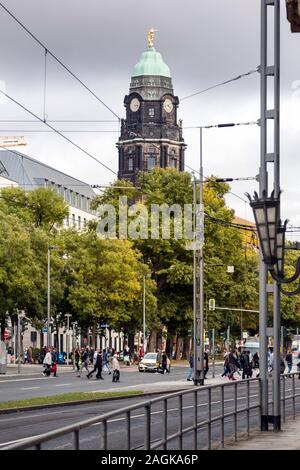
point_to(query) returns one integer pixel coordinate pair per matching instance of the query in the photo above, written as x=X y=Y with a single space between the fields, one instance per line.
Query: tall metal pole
x=48 y=300
x=213 y=351
x=68 y=338
x=201 y=266
x=19 y=344
x=263 y=186
x=276 y=303
x=195 y=339
x=144 y=313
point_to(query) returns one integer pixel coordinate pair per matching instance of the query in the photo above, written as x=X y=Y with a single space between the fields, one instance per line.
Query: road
x=17 y=388
x=31 y=423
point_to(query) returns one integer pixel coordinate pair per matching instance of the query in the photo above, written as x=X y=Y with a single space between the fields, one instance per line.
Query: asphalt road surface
x=18 y=388
x=14 y=427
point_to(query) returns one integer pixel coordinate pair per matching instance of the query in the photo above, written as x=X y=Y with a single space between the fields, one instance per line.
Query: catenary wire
x=57 y=131
x=58 y=60
x=226 y=82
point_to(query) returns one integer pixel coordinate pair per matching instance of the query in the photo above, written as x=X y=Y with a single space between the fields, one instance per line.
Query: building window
x=151 y=112
x=151 y=162
x=84 y=223
x=73 y=220
x=79 y=222
x=173 y=159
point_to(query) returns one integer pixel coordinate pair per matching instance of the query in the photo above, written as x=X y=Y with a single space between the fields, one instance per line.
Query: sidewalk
x=287 y=439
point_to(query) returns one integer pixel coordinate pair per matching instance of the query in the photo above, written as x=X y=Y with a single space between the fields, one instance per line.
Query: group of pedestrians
x=237 y=361
x=86 y=357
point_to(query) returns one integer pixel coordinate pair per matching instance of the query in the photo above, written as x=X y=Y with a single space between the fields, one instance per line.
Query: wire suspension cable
x=58 y=60
x=226 y=82
x=57 y=131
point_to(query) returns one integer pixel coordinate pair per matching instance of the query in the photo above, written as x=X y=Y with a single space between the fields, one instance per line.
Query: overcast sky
x=203 y=42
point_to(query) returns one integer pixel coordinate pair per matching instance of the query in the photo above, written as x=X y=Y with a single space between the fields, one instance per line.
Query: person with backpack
x=105 y=361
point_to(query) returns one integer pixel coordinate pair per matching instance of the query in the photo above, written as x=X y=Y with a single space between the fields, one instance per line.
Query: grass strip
x=65 y=398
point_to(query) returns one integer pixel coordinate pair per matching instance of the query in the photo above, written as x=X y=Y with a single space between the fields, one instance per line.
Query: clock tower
x=151 y=136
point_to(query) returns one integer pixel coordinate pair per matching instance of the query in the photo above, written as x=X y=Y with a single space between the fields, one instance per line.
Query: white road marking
x=29 y=388
x=62 y=385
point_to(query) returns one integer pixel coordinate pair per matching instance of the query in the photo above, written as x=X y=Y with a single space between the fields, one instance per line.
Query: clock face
x=134 y=105
x=168 y=105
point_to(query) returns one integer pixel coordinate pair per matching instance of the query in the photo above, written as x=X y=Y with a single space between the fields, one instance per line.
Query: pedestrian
x=206 y=366
x=226 y=370
x=126 y=355
x=105 y=361
x=85 y=360
x=289 y=361
x=141 y=352
x=282 y=365
x=232 y=364
x=270 y=360
x=116 y=369
x=77 y=359
x=246 y=365
x=164 y=361
x=97 y=366
x=298 y=365
x=54 y=356
x=191 y=368
x=255 y=361
x=47 y=363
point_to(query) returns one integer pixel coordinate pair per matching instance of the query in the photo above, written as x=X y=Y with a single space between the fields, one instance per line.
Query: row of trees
x=100 y=280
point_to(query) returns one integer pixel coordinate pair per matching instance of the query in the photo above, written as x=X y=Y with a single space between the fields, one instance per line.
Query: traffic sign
x=45 y=329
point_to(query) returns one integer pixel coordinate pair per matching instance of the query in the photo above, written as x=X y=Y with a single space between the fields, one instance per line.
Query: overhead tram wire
x=57 y=131
x=226 y=82
x=59 y=61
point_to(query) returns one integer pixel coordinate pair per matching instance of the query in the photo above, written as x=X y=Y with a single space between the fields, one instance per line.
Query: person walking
x=116 y=369
x=54 y=356
x=232 y=364
x=47 y=363
x=246 y=365
x=206 y=365
x=77 y=359
x=85 y=360
x=97 y=366
x=164 y=362
x=105 y=361
x=289 y=361
x=191 y=368
x=126 y=355
x=226 y=370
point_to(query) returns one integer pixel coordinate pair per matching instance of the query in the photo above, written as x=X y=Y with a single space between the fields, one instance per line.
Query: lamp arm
x=288 y=280
x=290 y=294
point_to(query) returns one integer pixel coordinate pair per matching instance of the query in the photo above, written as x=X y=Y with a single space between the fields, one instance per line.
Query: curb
x=82 y=402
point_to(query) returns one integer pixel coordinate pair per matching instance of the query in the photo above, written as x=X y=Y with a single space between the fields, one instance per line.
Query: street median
x=75 y=398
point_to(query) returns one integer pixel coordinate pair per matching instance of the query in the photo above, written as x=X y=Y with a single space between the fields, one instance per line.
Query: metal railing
x=199 y=418
x=185 y=419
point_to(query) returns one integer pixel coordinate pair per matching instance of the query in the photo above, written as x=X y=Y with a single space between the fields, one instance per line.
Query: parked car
x=151 y=363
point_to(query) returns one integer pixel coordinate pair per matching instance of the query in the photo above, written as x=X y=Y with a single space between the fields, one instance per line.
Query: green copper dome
x=151 y=63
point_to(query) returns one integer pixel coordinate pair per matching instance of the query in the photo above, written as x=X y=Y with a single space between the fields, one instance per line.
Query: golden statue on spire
x=151 y=37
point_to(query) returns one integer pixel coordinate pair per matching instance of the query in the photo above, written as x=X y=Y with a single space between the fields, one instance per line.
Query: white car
x=150 y=362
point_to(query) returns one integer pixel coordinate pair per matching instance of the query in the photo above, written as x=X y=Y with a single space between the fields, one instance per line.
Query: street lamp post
x=68 y=315
x=144 y=313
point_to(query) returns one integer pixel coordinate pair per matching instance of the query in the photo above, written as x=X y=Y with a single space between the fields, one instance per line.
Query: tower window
x=173 y=159
x=151 y=162
x=130 y=160
x=151 y=112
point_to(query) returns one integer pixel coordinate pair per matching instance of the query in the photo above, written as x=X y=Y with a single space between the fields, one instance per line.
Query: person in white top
x=116 y=369
x=47 y=363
